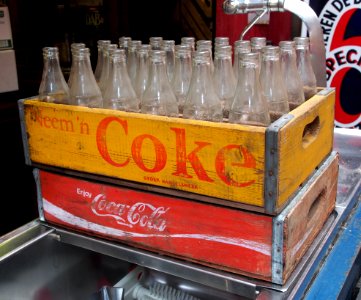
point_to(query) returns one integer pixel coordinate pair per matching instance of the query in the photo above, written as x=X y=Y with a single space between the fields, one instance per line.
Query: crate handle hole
x=310 y=132
x=315 y=204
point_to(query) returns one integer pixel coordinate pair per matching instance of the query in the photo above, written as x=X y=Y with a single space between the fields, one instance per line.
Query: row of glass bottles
x=122 y=77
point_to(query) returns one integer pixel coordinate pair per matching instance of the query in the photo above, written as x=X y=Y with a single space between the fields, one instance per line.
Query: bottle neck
x=201 y=74
x=158 y=69
x=183 y=63
x=52 y=64
x=248 y=75
x=117 y=67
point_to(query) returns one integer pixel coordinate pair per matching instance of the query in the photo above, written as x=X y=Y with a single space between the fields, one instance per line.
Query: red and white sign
x=341 y=24
x=232 y=239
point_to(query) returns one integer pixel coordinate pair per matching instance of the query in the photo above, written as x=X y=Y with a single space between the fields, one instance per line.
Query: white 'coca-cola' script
x=138 y=214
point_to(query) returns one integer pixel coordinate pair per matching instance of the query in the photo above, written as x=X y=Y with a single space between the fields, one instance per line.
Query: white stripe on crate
x=71 y=219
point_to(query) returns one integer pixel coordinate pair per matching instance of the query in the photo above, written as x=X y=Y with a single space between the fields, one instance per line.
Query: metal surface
x=272 y=163
x=300 y=9
x=21 y=238
x=217 y=279
x=23 y=132
x=44 y=268
x=247 y=6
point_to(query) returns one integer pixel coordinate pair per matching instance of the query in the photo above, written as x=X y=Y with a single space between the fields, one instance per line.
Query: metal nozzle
x=247 y=6
x=300 y=9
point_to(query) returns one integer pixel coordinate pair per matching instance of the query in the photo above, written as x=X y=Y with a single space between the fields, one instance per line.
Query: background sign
x=341 y=24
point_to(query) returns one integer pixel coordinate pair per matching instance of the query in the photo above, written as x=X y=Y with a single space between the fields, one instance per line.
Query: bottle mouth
x=50 y=52
x=270 y=53
x=287 y=45
x=302 y=42
x=248 y=58
x=258 y=42
x=81 y=53
x=118 y=55
x=157 y=55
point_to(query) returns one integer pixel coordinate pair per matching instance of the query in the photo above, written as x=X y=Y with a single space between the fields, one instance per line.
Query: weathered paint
x=306 y=139
x=224 y=237
x=244 y=242
x=220 y=160
x=213 y=159
x=303 y=218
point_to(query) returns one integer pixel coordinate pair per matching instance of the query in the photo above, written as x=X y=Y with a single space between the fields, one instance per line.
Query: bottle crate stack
x=237 y=197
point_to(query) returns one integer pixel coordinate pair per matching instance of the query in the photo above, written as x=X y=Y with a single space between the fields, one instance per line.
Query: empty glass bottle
x=73 y=47
x=106 y=62
x=257 y=43
x=202 y=101
x=119 y=93
x=223 y=77
x=100 y=59
x=200 y=43
x=84 y=90
x=124 y=42
x=249 y=106
x=191 y=41
x=156 y=42
x=53 y=87
x=158 y=98
x=272 y=84
x=240 y=46
x=168 y=47
x=304 y=66
x=290 y=75
x=182 y=74
x=221 y=41
x=132 y=59
x=141 y=77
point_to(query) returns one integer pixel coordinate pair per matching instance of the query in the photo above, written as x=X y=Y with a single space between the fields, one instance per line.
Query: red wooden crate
x=244 y=242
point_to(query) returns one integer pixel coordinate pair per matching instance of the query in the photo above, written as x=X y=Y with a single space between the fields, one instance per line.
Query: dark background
x=39 y=23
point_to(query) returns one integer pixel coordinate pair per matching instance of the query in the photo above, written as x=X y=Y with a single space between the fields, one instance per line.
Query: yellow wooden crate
x=251 y=167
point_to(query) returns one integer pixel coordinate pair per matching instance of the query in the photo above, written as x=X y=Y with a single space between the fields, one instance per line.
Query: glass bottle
x=141 y=77
x=221 y=41
x=249 y=106
x=304 y=66
x=168 y=47
x=84 y=90
x=73 y=47
x=158 y=97
x=257 y=43
x=240 y=46
x=189 y=40
x=182 y=74
x=132 y=59
x=53 y=87
x=106 y=62
x=100 y=60
x=124 y=42
x=223 y=77
x=272 y=85
x=119 y=93
x=206 y=45
x=202 y=101
x=155 y=42
x=290 y=75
